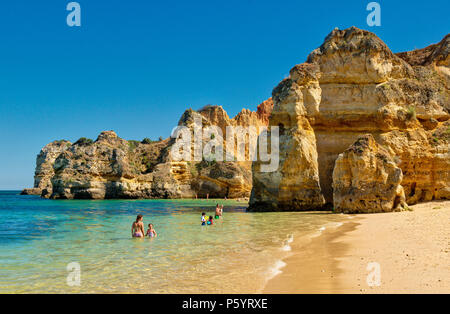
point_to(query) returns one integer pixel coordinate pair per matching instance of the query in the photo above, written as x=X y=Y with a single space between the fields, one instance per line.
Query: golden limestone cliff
x=112 y=168
x=354 y=86
x=295 y=98
x=366 y=179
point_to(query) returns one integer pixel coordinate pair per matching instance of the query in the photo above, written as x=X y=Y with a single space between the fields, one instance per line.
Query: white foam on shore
x=276 y=269
x=318 y=233
x=286 y=247
x=290 y=238
x=330 y=225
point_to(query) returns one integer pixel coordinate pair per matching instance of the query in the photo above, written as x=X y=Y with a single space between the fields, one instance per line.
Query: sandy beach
x=411 y=249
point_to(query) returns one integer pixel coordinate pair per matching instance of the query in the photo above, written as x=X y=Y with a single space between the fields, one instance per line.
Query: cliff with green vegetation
x=114 y=168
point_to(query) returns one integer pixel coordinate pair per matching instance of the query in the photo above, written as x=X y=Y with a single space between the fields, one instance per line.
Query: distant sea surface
x=238 y=254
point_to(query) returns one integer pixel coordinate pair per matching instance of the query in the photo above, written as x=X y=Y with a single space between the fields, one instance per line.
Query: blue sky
x=134 y=66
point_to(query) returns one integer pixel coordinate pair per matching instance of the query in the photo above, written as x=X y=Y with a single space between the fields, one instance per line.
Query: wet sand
x=411 y=248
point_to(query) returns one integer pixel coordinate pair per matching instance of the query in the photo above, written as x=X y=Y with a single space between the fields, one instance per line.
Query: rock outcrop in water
x=44 y=168
x=111 y=167
x=350 y=86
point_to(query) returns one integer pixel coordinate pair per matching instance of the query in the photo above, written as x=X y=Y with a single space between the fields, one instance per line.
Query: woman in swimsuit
x=137 y=228
x=217 y=211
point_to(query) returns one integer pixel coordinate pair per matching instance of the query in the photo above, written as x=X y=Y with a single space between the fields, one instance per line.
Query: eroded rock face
x=438 y=54
x=32 y=191
x=44 y=168
x=108 y=168
x=424 y=157
x=360 y=88
x=296 y=182
x=222 y=178
x=357 y=56
x=113 y=168
x=367 y=180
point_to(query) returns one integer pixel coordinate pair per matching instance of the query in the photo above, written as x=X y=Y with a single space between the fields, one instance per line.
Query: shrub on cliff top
x=147 y=141
x=84 y=141
x=63 y=142
x=133 y=144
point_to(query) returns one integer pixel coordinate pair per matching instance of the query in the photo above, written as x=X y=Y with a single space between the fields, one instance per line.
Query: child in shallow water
x=210 y=221
x=203 y=219
x=151 y=232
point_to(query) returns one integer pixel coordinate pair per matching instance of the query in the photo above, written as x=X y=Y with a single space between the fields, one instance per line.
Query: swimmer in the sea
x=151 y=232
x=218 y=211
x=137 y=228
x=203 y=219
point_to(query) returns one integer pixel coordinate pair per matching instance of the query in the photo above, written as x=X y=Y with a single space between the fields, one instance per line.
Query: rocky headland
x=114 y=168
x=364 y=129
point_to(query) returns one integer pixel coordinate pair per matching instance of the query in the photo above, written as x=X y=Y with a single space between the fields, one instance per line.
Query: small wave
x=334 y=224
x=276 y=269
x=290 y=238
x=318 y=233
x=286 y=247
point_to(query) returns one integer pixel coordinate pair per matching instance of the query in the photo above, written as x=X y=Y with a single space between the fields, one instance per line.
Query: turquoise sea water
x=39 y=238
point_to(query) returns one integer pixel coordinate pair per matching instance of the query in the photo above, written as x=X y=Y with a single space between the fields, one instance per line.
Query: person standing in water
x=151 y=232
x=218 y=211
x=137 y=228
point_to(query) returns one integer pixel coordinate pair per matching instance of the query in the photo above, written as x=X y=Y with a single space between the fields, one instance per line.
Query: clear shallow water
x=39 y=238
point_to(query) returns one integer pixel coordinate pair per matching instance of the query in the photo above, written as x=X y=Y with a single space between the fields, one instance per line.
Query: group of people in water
x=137 y=229
x=210 y=220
